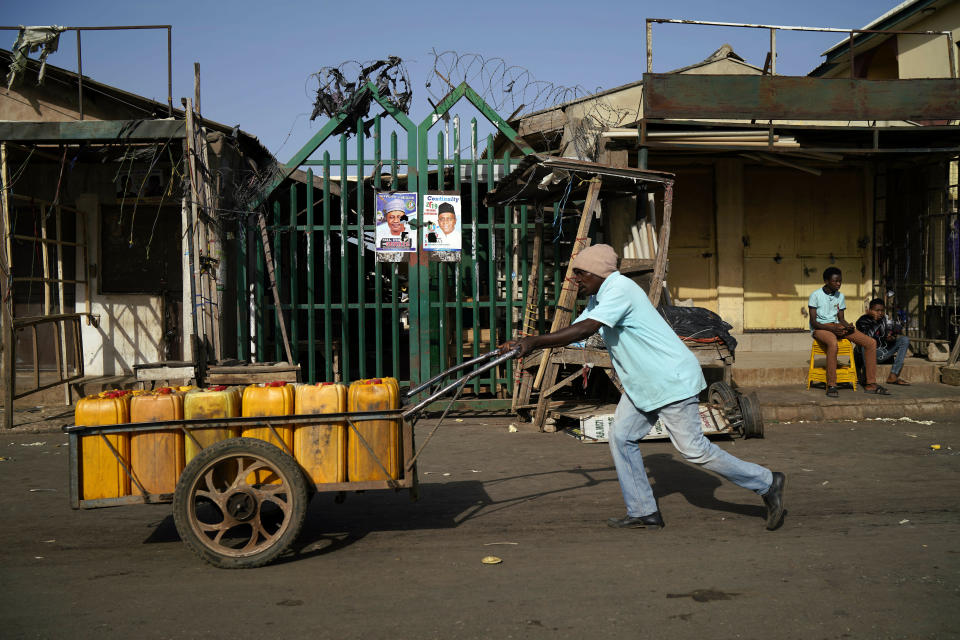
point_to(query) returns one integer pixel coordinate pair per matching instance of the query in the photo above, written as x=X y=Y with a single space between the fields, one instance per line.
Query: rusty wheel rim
x=240 y=505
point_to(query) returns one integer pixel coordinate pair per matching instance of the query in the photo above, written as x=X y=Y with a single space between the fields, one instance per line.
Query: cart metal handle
x=444 y=374
x=417 y=408
x=460 y=383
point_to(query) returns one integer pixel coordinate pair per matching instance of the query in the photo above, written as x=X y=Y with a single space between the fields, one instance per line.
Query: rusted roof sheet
x=797 y=98
x=532 y=182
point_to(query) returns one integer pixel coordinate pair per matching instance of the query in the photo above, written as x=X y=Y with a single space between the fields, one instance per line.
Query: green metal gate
x=350 y=316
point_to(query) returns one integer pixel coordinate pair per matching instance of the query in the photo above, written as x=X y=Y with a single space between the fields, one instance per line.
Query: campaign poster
x=396 y=222
x=441 y=222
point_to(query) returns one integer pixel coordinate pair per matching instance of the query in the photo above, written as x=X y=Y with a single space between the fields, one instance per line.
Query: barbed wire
x=339 y=86
x=514 y=91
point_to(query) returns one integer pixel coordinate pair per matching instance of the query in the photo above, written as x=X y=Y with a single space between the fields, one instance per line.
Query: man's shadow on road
x=668 y=475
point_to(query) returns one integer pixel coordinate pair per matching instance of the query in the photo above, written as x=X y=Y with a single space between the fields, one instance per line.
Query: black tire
x=752 y=416
x=720 y=393
x=231 y=523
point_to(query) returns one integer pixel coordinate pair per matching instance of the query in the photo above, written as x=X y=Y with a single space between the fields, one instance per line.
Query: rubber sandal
x=877 y=390
x=833 y=392
x=900 y=381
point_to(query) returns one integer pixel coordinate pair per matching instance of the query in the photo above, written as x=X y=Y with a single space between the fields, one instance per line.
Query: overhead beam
x=93 y=131
x=792 y=98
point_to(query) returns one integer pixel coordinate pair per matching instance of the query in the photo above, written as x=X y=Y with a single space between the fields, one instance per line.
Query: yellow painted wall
x=796 y=225
x=693 y=242
x=927 y=56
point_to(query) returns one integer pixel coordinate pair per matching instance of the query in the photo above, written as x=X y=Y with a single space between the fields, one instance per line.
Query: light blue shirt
x=654 y=366
x=828 y=305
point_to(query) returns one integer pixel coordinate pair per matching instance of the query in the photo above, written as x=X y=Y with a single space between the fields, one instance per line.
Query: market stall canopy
x=541 y=178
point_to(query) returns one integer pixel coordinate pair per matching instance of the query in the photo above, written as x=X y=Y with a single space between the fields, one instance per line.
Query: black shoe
x=773 y=498
x=652 y=521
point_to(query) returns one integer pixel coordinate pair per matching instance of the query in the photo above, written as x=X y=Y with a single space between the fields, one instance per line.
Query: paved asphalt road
x=869 y=549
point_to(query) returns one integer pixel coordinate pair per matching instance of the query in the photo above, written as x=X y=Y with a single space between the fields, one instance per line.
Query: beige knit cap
x=599 y=259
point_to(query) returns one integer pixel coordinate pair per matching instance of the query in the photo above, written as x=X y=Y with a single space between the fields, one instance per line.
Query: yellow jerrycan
x=266 y=400
x=101 y=474
x=205 y=404
x=157 y=456
x=321 y=449
x=383 y=436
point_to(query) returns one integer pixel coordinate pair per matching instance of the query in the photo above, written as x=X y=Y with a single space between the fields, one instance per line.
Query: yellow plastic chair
x=845 y=373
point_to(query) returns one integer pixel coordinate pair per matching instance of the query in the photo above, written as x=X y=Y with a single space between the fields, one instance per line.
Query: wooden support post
x=192 y=226
x=268 y=258
x=59 y=327
x=210 y=233
x=660 y=264
x=6 y=297
x=523 y=384
x=568 y=296
x=45 y=256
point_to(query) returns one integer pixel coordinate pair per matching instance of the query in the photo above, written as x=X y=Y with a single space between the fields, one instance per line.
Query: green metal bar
x=463 y=90
x=524 y=266
x=361 y=269
x=508 y=273
x=475 y=250
x=294 y=294
x=243 y=296
x=459 y=266
x=377 y=265
x=442 y=268
x=300 y=158
x=557 y=276
x=311 y=283
x=260 y=317
x=420 y=269
x=541 y=289
x=394 y=278
x=491 y=261
x=278 y=282
x=344 y=293
x=327 y=267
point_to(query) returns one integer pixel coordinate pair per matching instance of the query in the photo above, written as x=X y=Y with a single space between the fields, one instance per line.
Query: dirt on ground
x=869 y=548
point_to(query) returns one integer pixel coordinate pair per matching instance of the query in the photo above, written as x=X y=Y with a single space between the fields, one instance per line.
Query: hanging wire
x=558 y=214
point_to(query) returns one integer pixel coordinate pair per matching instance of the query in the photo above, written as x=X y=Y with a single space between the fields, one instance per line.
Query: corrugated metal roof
x=540 y=178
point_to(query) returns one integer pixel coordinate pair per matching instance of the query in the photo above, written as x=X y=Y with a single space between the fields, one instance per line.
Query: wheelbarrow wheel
x=752 y=415
x=240 y=503
x=720 y=394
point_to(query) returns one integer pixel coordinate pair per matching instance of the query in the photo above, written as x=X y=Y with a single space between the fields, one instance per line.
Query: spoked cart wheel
x=240 y=503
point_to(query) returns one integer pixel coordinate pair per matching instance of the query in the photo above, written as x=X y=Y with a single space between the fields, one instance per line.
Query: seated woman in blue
x=828 y=327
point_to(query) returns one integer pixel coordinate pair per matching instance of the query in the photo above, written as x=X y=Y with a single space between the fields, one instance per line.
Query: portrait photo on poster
x=396 y=221
x=441 y=221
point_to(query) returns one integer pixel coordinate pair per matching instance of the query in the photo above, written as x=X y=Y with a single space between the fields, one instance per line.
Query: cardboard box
x=597 y=428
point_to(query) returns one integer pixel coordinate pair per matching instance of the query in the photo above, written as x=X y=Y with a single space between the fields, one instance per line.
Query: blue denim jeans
x=897 y=351
x=682 y=421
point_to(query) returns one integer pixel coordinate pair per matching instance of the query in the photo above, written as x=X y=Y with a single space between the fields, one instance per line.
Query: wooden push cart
x=241 y=502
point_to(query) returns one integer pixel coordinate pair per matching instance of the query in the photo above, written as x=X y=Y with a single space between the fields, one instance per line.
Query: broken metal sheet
x=540 y=178
x=797 y=98
x=29 y=39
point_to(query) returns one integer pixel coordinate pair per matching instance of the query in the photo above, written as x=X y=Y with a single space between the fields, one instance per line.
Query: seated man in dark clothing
x=875 y=324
